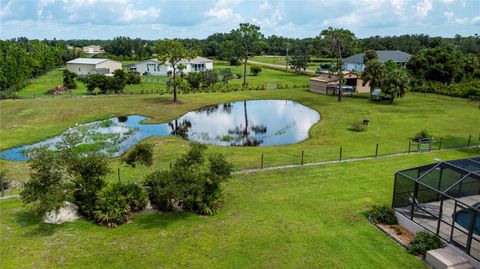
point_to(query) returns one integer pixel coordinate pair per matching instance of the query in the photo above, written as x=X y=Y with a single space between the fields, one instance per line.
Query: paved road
x=275 y=66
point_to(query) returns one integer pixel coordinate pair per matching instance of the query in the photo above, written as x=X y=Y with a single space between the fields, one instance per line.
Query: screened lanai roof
x=455 y=178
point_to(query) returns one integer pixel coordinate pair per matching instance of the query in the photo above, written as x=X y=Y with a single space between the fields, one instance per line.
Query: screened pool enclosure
x=443 y=198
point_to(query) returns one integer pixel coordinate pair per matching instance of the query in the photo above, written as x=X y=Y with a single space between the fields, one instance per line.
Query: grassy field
x=298 y=218
x=153 y=84
x=280 y=60
x=29 y=121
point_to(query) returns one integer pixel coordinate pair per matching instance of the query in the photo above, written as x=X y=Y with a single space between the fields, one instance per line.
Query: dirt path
x=274 y=65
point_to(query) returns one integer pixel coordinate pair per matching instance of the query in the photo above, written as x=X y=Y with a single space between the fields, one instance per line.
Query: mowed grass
x=391 y=126
x=154 y=84
x=314 y=64
x=310 y=217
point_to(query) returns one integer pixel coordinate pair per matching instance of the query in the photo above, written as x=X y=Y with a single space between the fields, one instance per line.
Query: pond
x=244 y=123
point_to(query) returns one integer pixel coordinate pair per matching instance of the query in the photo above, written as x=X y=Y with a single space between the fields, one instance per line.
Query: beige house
x=327 y=83
x=92 y=49
x=85 y=66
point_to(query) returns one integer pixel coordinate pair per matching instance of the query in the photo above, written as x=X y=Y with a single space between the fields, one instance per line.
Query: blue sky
x=154 y=19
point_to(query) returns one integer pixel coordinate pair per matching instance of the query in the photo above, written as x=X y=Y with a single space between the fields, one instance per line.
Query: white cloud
x=424 y=7
x=448 y=1
x=265 y=6
x=223 y=11
x=451 y=18
x=132 y=14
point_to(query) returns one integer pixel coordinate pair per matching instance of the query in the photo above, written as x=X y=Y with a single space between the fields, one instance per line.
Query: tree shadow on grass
x=34 y=224
x=151 y=220
x=165 y=100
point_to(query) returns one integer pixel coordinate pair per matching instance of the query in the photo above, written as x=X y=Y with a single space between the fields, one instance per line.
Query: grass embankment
x=308 y=218
x=29 y=121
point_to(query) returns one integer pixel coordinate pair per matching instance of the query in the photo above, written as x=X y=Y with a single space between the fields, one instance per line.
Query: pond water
x=244 y=123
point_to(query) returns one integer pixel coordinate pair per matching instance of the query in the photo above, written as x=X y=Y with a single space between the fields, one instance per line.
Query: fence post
x=418 y=146
x=261 y=162
x=302 y=157
x=376 y=152
x=340 y=158
x=409 y=145
x=119 y=175
x=440 y=145
x=469 y=140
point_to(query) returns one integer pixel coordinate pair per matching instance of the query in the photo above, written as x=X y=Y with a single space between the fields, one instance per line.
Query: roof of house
x=383 y=56
x=87 y=61
x=195 y=60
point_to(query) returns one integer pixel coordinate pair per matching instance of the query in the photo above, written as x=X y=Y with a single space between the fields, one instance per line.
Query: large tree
x=247 y=38
x=374 y=74
x=396 y=83
x=173 y=52
x=340 y=42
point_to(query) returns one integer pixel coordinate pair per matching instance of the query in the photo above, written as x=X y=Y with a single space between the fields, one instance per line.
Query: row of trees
x=105 y=84
x=22 y=59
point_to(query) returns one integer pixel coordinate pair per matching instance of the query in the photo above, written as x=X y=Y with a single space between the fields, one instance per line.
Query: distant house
x=355 y=62
x=327 y=83
x=155 y=67
x=85 y=66
x=92 y=49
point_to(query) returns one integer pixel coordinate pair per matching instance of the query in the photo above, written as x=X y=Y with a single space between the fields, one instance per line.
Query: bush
x=132 y=78
x=383 y=215
x=112 y=207
x=423 y=242
x=359 y=127
x=234 y=61
x=421 y=135
x=135 y=196
x=141 y=153
x=4 y=181
x=255 y=70
x=192 y=183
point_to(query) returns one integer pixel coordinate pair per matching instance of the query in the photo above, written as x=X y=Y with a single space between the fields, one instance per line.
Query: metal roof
x=383 y=56
x=195 y=60
x=87 y=61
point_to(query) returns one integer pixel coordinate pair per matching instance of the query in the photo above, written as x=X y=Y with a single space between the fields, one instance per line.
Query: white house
x=155 y=67
x=85 y=66
x=92 y=49
x=355 y=62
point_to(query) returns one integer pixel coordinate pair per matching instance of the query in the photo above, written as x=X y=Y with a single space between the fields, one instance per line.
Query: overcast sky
x=154 y=19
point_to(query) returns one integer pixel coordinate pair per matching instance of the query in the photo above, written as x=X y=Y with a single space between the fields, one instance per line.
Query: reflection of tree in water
x=227 y=108
x=180 y=129
x=244 y=136
x=207 y=109
x=122 y=118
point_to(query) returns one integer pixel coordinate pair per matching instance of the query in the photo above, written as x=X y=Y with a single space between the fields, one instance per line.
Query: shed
x=85 y=66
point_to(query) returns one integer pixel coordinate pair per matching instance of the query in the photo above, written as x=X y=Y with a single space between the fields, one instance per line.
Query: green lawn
x=280 y=60
x=298 y=218
x=29 y=121
x=153 y=84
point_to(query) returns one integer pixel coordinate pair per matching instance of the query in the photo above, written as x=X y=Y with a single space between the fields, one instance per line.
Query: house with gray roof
x=355 y=62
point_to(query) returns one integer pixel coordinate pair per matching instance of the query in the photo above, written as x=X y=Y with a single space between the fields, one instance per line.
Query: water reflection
x=244 y=123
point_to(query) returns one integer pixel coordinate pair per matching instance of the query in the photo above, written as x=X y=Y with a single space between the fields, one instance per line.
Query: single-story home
x=85 y=66
x=327 y=83
x=355 y=62
x=92 y=49
x=155 y=67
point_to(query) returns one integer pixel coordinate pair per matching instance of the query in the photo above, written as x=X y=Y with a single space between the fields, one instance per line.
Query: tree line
x=22 y=59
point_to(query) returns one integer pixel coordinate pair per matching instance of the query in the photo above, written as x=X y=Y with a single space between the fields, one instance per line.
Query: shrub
x=255 y=70
x=111 y=208
x=4 y=181
x=423 y=242
x=421 y=135
x=234 y=61
x=192 y=182
x=383 y=215
x=135 y=196
x=132 y=78
x=141 y=153
x=358 y=127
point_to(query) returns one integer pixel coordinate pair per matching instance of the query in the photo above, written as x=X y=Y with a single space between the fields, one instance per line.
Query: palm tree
x=374 y=73
x=396 y=84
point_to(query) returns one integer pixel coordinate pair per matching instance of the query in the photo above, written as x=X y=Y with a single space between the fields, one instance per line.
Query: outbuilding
x=85 y=66
x=327 y=83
